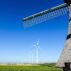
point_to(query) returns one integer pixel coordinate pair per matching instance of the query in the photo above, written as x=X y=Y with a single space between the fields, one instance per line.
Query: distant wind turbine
x=37 y=47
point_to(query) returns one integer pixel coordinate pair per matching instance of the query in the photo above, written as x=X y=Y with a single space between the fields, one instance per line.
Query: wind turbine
x=65 y=58
x=36 y=45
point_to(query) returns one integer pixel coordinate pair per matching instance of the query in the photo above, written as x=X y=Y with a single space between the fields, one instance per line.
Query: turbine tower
x=65 y=58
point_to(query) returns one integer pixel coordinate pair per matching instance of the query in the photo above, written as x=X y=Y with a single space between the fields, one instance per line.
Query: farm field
x=41 y=67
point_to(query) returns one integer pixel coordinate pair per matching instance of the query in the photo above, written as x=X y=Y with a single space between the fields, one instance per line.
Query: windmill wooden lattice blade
x=45 y=15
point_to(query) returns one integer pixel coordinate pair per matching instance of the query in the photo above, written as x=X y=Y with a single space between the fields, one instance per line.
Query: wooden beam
x=67 y=67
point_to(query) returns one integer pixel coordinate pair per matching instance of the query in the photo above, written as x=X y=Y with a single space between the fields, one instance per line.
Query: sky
x=16 y=42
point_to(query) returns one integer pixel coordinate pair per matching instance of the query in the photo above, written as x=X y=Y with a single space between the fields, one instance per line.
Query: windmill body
x=65 y=57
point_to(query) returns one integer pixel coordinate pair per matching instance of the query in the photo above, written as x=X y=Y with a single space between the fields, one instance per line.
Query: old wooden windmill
x=65 y=58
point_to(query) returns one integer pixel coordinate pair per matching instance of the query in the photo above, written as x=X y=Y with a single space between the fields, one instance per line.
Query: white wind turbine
x=36 y=45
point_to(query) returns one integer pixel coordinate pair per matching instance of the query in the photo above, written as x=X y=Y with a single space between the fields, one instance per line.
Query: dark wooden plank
x=67 y=67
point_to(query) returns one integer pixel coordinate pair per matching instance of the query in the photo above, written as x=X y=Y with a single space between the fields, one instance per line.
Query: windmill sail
x=45 y=15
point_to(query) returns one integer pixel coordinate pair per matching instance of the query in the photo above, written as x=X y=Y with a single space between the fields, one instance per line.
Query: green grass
x=41 y=67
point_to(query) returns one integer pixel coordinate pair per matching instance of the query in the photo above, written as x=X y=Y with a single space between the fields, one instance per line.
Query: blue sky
x=16 y=42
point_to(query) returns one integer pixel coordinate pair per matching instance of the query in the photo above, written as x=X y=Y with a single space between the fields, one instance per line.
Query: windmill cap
x=68 y=2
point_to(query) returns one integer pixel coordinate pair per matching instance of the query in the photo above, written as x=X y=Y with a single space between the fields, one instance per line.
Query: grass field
x=41 y=67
